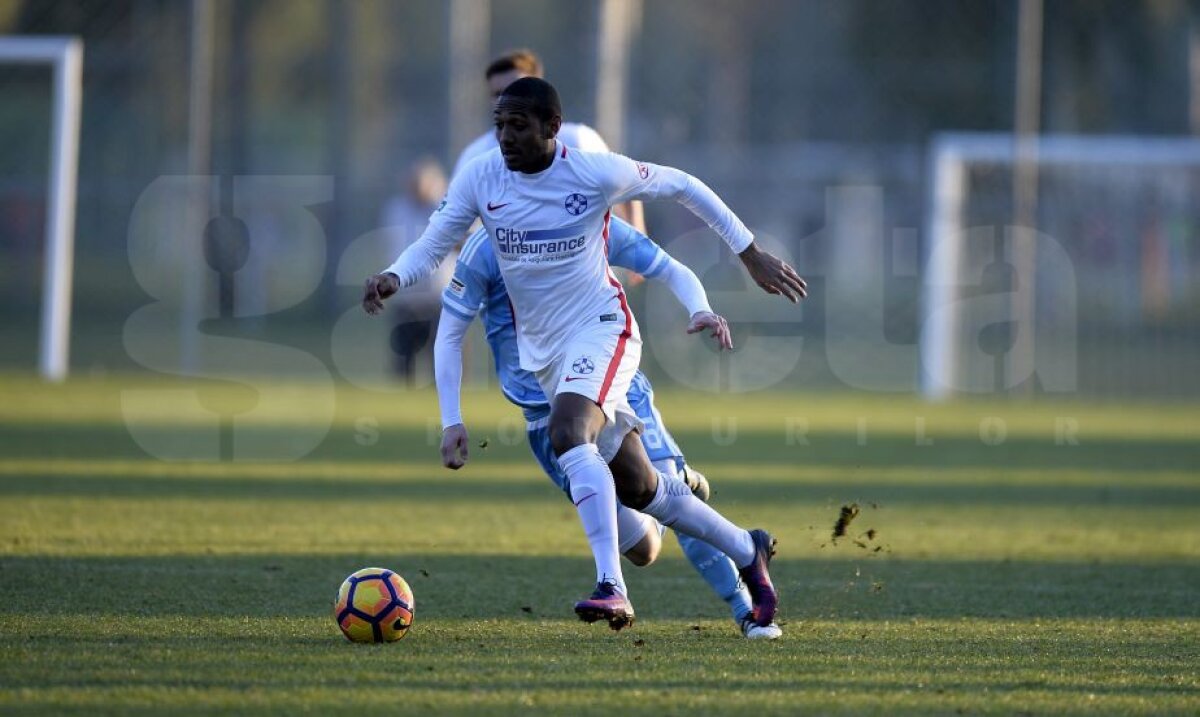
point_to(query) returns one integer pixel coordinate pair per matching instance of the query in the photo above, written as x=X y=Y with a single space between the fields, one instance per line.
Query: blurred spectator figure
x=404 y=217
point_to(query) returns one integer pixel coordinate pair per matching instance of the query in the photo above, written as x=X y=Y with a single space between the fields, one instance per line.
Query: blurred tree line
x=358 y=89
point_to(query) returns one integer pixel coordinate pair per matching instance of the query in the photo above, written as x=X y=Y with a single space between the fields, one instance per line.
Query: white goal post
x=951 y=157
x=64 y=55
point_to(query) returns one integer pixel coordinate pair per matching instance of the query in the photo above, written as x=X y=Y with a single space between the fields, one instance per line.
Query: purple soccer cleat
x=606 y=604
x=758 y=580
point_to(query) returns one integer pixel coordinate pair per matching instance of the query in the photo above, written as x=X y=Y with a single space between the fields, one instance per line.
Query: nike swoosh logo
x=573 y=378
x=494 y=207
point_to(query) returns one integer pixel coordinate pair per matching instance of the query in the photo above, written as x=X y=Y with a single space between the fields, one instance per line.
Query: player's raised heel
x=606 y=604
x=758 y=579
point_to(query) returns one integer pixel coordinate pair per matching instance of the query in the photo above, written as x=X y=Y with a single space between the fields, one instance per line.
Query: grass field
x=1029 y=576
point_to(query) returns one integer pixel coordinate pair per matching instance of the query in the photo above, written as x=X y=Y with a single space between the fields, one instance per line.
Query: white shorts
x=599 y=363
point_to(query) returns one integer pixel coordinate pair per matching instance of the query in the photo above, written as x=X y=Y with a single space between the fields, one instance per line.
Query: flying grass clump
x=847 y=516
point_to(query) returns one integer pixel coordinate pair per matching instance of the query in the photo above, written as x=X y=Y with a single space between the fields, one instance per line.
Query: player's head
x=510 y=67
x=528 y=115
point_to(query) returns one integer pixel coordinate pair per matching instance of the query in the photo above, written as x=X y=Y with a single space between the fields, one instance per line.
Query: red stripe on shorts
x=620 y=352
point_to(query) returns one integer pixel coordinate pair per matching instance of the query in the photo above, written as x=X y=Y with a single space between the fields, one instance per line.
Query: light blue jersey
x=477 y=289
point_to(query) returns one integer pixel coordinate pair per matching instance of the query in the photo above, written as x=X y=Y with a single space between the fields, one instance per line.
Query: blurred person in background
x=404 y=217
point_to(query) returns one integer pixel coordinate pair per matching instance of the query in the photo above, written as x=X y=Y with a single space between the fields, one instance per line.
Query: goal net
x=1112 y=305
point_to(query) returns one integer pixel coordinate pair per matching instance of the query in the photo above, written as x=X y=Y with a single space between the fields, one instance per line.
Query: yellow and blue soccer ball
x=374 y=605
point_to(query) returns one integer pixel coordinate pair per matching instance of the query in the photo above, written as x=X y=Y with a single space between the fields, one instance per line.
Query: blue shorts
x=659 y=443
x=657 y=440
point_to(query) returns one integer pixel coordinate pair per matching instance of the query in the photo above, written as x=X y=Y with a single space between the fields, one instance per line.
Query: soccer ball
x=374 y=605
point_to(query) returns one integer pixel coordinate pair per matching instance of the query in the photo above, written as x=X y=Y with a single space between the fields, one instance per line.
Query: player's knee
x=567 y=433
x=647 y=549
x=634 y=475
x=635 y=493
x=574 y=421
x=563 y=438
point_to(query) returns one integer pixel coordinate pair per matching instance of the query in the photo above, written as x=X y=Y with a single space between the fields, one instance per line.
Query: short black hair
x=542 y=97
x=524 y=61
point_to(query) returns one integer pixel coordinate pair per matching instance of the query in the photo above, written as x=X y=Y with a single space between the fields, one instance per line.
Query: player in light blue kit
x=477 y=289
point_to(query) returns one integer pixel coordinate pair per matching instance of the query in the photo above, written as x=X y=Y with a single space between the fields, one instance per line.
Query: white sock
x=676 y=507
x=595 y=497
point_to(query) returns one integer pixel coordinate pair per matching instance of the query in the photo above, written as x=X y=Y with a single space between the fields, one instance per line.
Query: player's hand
x=454 y=446
x=773 y=274
x=702 y=320
x=378 y=288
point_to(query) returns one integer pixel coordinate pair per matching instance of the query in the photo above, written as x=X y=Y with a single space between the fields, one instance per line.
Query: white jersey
x=572 y=134
x=549 y=231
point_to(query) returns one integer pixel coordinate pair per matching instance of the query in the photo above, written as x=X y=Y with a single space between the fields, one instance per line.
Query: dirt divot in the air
x=849 y=513
x=865 y=540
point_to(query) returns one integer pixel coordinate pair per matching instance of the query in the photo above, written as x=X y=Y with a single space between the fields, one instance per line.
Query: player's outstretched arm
x=772 y=274
x=715 y=323
x=624 y=179
x=446 y=226
x=414 y=263
x=447 y=367
x=378 y=288
x=686 y=286
x=633 y=250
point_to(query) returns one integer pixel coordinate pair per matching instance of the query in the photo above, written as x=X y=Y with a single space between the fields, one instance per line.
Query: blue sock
x=719 y=572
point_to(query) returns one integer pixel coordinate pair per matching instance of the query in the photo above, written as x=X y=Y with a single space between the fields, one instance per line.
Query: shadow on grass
x=838 y=449
x=482 y=587
x=535 y=488
x=834 y=449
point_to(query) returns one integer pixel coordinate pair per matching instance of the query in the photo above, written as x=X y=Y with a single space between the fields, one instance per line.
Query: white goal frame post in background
x=64 y=55
x=950 y=155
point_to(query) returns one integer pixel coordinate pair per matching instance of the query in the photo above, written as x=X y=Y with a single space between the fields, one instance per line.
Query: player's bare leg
x=641 y=487
x=575 y=423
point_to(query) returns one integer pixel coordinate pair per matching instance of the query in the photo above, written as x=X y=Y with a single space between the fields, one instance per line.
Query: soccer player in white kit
x=546 y=209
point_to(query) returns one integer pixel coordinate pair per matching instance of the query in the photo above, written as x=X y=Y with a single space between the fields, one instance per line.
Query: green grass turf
x=1023 y=577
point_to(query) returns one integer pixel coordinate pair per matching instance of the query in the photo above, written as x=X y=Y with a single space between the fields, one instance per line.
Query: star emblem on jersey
x=583 y=365
x=575 y=204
